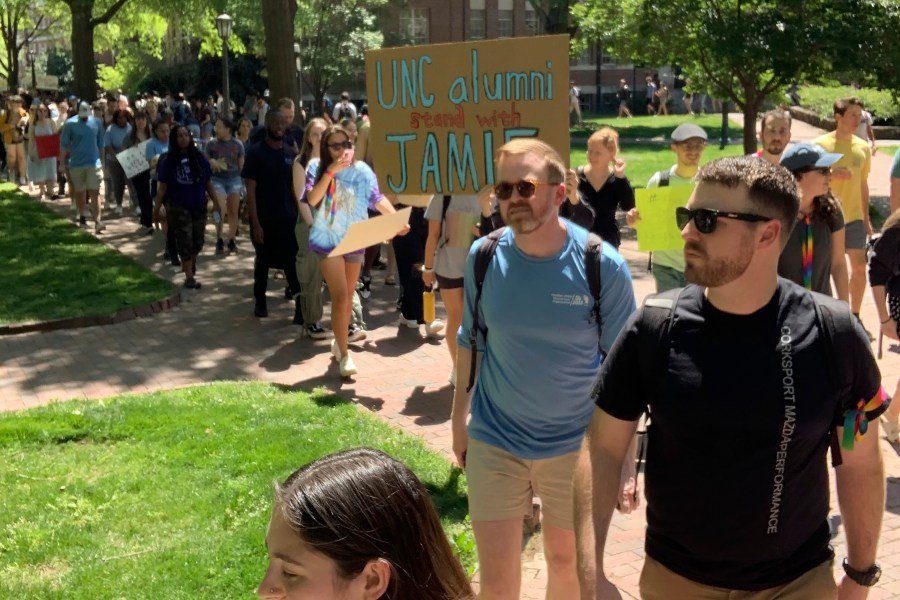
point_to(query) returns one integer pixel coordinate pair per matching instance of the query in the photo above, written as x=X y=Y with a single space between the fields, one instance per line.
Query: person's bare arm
x=431 y=244
x=597 y=484
x=861 y=495
x=462 y=401
x=864 y=198
x=255 y=226
x=839 y=275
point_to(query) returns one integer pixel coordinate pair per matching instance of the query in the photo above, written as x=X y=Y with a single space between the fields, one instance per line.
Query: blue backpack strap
x=483 y=257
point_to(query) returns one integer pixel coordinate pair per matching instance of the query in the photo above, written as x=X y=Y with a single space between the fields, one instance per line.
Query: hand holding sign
x=133 y=160
x=655 y=217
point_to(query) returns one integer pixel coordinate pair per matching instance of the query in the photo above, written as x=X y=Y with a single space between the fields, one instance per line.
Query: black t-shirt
x=615 y=193
x=271 y=169
x=736 y=475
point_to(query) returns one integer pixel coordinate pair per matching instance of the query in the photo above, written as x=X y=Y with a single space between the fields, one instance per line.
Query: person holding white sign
x=140 y=182
x=345 y=190
x=226 y=157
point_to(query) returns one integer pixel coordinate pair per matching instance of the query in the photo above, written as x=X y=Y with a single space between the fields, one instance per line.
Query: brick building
x=442 y=21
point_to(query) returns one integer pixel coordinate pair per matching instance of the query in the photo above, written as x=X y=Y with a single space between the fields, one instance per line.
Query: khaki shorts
x=659 y=583
x=501 y=485
x=83 y=179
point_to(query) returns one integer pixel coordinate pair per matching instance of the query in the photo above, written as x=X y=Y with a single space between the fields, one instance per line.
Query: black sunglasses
x=526 y=188
x=705 y=219
x=338 y=146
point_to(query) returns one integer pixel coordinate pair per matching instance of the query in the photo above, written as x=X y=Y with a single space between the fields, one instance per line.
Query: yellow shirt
x=8 y=121
x=858 y=159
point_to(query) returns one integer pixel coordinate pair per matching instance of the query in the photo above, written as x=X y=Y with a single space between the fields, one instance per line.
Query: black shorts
x=447 y=283
x=189 y=226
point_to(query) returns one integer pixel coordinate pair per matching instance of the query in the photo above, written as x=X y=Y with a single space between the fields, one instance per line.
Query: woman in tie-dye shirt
x=343 y=191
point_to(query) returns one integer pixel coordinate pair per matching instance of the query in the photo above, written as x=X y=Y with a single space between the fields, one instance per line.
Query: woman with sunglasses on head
x=342 y=190
x=602 y=185
x=814 y=254
x=381 y=540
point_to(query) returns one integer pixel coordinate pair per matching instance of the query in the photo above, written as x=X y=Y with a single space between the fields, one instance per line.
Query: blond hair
x=556 y=168
x=607 y=136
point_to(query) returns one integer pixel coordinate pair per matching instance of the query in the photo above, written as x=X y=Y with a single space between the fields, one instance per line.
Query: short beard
x=525 y=223
x=716 y=272
x=277 y=137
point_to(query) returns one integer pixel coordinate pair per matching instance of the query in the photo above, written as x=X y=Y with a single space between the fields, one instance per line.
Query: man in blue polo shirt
x=531 y=404
x=81 y=143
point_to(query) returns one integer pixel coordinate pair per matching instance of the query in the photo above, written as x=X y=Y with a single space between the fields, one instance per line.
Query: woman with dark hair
x=185 y=178
x=358 y=525
x=140 y=183
x=226 y=157
x=344 y=191
x=814 y=253
x=113 y=143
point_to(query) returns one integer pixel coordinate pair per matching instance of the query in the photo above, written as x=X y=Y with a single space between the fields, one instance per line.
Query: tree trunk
x=752 y=103
x=85 y=72
x=278 y=23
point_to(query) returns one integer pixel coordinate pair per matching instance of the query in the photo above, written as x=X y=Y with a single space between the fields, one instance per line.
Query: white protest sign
x=372 y=231
x=133 y=160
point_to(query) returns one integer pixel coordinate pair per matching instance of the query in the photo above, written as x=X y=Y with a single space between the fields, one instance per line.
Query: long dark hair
x=325 y=159
x=195 y=159
x=825 y=207
x=132 y=139
x=359 y=505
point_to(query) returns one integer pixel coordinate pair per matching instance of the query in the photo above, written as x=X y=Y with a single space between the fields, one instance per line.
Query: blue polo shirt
x=83 y=140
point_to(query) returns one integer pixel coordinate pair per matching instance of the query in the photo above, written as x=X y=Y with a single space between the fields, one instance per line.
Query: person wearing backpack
x=748 y=378
x=545 y=305
x=344 y=109
x=688 y=142
x=452 y=227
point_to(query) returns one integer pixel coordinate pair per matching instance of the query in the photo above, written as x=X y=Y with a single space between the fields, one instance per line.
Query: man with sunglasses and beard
x=743 y=406
x=273 y=208
x=540 y=350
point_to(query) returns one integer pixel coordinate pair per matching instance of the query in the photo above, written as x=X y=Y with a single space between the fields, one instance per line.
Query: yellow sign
x=656 y=229
x=439 y=112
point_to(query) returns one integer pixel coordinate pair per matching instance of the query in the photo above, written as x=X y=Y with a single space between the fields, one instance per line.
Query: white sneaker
x=411 y=323
x=99 y=227
x=335 y=350
x=433 y=328
x=891 y=431
x=347 y=366
x=356 y=333
x=118 y=210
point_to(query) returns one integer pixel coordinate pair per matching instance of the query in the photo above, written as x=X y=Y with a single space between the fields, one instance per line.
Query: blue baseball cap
x=808 y=156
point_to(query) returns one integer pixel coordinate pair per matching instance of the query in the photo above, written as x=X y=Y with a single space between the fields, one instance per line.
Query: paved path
x=213 y=336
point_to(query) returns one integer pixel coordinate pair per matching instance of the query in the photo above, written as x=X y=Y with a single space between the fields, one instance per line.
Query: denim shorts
x=228 y=186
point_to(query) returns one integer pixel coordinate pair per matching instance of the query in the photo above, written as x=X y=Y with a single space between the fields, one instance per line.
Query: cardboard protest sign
x=372 y=231
x=656 y=229
x=439 y=112
x=133 y=160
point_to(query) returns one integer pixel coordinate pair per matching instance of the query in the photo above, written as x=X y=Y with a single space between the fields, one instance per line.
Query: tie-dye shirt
x=351 y=194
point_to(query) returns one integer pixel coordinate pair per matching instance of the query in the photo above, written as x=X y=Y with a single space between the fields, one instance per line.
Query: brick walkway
x=213 y=336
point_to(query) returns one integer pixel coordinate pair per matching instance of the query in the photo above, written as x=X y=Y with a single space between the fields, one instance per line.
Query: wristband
x=330 y=174
x=427 y=270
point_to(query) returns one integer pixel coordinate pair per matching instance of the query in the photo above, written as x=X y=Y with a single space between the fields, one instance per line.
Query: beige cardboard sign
x=374 y=230
x=439 y=112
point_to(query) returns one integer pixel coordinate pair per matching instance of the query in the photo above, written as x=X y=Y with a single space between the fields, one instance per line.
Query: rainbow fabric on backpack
x=807 y=243
x=855 y=421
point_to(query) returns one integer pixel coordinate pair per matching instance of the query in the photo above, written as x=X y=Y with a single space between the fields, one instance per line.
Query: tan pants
x=659 y=583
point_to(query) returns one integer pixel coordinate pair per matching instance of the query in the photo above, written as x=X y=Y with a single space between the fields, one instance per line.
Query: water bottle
x=428 y=304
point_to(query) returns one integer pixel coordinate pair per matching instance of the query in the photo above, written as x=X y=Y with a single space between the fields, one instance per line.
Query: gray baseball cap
x=686 y=131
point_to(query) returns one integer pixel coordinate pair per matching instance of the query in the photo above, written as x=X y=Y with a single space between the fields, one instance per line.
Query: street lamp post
x=223 y=24
x=30 y=58
x=298 y=64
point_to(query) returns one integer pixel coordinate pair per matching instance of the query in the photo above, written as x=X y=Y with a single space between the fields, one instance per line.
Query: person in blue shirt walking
x=81 y=144
x=531 y=403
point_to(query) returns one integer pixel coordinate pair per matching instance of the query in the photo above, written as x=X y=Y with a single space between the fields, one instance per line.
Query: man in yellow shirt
x=849 y=182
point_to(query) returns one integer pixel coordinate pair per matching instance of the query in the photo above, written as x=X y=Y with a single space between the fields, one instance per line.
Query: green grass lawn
x=50 y=269
x=656 y=127
x=643 y=160
x=168 y=495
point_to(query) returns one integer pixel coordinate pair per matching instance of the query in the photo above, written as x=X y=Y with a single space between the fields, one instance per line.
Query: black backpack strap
x=444 y=208
x=653 y=352
x=664 y=177
x=483 y=257
x=836 y=325
x=592 y=252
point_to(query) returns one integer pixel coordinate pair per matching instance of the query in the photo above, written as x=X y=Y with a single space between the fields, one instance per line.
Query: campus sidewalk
x=213 y=336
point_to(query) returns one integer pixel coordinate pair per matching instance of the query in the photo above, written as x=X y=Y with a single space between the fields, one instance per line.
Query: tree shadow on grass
x=429 y=407
x=449 y=501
